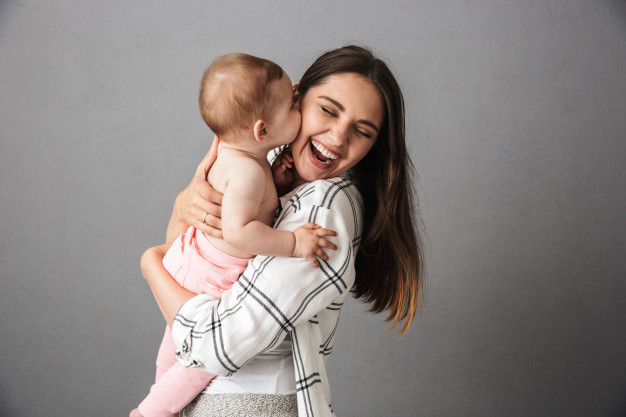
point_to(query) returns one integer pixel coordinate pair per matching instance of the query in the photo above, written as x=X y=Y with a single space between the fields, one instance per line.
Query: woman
x=351 y=174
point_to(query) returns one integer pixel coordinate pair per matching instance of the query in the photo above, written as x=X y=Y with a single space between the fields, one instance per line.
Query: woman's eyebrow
x=341 y=108
x=335 y=102
x=370 y=124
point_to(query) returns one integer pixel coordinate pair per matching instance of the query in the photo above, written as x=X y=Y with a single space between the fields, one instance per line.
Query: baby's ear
x=261 y=131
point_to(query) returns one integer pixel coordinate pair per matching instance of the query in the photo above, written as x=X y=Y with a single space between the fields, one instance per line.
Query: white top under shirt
x=268 y=373
x=277 y=296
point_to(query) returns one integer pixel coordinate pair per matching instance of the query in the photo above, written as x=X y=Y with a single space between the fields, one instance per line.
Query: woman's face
x=341 y=119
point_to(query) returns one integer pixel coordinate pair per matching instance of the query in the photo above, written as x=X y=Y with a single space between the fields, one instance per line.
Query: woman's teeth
x=330 y=157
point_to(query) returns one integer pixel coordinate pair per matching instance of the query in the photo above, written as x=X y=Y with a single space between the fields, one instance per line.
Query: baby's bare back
x=249 y=194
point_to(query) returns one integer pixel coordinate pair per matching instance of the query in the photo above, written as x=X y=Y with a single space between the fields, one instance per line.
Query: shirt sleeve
x=274 y=294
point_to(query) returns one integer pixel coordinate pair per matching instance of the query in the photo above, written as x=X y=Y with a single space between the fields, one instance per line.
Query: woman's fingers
x=207 y=223
x=205 y=203
x=208 y=160
x=212 y=227
x=207 y=198
x=198 y=202
x=207 y=217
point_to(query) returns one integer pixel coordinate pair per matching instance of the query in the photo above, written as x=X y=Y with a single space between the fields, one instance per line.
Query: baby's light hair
x=235 y=92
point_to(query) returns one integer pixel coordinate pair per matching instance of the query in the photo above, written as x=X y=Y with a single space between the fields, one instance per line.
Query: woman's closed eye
x=362 y=133
x=328 y=111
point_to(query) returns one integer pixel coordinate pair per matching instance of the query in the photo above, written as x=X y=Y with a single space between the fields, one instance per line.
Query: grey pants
x=242 y=405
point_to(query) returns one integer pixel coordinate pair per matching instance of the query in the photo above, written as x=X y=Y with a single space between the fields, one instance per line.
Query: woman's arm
x=198 y=205
x=274 y=295
x=168 y=294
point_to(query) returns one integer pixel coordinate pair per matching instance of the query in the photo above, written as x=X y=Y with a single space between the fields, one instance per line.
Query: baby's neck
x=251 y=148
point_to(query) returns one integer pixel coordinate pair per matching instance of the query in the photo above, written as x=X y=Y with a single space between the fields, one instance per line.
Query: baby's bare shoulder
x=231 y=166
x=242 y=165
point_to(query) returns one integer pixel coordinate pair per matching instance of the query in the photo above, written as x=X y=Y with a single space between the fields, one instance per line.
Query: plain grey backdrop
x=516 y=120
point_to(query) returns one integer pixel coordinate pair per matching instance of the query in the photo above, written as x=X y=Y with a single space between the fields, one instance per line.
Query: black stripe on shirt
x=299 y=368
x=218 y=346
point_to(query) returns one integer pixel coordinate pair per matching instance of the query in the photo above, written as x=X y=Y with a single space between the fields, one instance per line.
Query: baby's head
x=241 y=94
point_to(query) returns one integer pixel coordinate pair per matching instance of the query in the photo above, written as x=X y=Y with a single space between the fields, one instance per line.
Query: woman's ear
x=261 y=131
x=296 y=96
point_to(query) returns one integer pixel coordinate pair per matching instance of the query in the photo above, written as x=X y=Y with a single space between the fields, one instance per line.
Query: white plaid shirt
x=275 y=296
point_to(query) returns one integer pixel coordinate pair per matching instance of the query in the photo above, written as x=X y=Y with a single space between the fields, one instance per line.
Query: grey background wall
x=515 y=117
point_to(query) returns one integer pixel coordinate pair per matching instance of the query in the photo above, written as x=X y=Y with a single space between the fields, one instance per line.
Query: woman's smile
x=341 y=118
x=322 y=154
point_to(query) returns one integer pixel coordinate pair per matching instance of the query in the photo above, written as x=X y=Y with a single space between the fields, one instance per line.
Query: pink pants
x=199 y=267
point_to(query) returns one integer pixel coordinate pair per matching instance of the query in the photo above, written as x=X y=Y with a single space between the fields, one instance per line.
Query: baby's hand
x=309 y=242
x=282 y=171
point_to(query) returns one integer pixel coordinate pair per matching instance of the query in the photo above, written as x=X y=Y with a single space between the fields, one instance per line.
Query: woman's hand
x=282 y=171
x=198 y=205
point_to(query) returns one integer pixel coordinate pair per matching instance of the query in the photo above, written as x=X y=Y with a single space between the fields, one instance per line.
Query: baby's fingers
x=322 y=255
x=313 y=261
x=311 y=226
x=325 y=243
x=325 y=232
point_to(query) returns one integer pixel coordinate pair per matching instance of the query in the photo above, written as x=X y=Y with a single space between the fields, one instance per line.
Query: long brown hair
x=390 y=262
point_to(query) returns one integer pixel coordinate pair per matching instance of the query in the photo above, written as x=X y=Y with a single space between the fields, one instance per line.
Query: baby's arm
x=241 y=206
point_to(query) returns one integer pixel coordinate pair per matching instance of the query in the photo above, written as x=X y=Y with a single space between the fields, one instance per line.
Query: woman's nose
x=339 y=134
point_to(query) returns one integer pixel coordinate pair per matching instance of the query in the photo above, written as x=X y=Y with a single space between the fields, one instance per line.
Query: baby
x=248 y=102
